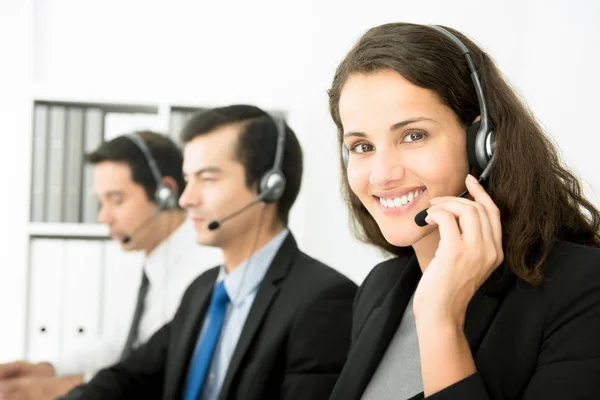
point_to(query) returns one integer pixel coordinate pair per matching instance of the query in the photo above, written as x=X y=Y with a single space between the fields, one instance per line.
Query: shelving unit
x=73 y=266
x=67 y=230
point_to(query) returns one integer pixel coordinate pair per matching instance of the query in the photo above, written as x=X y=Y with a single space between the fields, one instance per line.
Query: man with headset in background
x=137 y=178
x=272 y=322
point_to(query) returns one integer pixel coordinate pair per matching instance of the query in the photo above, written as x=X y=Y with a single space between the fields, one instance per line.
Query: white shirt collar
x=168 y=253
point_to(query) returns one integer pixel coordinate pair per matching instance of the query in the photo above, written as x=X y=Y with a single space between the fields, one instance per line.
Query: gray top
x=398 y=375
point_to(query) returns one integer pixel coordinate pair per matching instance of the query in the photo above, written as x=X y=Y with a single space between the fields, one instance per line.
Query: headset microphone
x=216 y=224
x=127 y=238
x=420 y=217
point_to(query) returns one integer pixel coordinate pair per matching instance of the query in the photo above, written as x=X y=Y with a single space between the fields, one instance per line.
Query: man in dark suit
x=272 y=322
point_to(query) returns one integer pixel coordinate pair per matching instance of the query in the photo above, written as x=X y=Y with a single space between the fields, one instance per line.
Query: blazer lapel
x=376 y=334
x=188 y=336
x=267 y=292
x=484 y=305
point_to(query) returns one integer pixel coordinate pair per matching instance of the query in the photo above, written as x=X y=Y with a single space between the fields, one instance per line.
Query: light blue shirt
x=241 y=286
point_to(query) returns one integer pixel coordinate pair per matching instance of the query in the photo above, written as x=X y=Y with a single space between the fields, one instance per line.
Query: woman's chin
x=405 y=237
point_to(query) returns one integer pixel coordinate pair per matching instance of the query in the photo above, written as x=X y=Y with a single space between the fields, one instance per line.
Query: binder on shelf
x=45 y=305
x=84 y=260
x=93 y=129
x=56 y=164
x=74 y=165
x=39 y=156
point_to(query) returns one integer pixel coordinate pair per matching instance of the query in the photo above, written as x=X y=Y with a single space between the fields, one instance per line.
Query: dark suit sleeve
x=568 y=365
x=318 y=345
x=569 y=361
x=140 y=376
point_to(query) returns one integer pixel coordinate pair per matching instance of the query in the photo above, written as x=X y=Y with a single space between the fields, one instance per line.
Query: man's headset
x=481 y=141
x=165 y=197
x=272 y=183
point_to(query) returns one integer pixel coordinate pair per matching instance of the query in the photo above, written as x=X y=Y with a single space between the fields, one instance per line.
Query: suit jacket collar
x=176 y=376
x=484 y=305
x=283 y=260
x=268 y=290
x=247 y=277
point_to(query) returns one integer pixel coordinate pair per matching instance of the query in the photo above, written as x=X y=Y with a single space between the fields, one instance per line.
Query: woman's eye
x=361 y=148
x=414 y=137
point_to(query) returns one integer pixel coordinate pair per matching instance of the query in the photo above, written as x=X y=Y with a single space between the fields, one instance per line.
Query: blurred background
x=112 y=66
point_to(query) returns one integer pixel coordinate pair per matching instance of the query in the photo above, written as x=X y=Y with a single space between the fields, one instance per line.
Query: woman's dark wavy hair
x=540 y=200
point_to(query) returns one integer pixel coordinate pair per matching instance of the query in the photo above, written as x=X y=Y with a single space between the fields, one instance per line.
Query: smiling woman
x=402 y=140
x=498 y=297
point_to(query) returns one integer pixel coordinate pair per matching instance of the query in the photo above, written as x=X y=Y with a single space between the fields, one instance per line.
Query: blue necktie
x=208 y=342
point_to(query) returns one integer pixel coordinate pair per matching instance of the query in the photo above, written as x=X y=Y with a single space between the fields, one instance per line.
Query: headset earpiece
x=345 y=155
x=272 y=186
x=272 y=183
x=165 y=197
x=472 y=133
x=480 y=136
x=480 y=146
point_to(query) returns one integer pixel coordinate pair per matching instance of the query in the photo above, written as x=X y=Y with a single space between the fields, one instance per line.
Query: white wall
x=16 y=53
x=281 y=55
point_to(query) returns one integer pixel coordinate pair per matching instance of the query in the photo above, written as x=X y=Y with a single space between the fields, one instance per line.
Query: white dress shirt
x=241 y=286
x=170 y=268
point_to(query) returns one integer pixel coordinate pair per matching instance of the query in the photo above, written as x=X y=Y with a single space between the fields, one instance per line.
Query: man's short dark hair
x=256 y=147
x=167 y=155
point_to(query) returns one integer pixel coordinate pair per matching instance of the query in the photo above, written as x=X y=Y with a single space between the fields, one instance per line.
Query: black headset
x=164 y=196
x=480 y=136
x=272 y=183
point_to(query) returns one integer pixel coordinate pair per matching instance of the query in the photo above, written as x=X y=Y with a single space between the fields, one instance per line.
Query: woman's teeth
x=400 y=201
